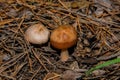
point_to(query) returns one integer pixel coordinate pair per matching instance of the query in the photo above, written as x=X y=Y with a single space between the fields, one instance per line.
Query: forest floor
x=97 y=23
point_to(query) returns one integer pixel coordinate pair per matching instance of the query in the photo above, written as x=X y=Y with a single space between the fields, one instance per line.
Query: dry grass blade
x=6 y=21
x=40 y=61
x=18 y=68
x=9 y=77
x=13 y=61
x=23 y=2
x=35 y=73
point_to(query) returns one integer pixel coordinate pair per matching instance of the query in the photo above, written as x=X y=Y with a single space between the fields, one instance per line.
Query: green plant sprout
x=107 y=63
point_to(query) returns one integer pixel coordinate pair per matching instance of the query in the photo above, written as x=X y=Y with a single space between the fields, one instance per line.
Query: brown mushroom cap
x=65 y=36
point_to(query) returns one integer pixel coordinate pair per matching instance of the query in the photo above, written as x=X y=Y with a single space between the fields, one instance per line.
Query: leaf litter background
x=97 y=23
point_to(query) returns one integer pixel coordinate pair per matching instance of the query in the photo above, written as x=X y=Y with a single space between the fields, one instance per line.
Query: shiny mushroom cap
x=63 y=37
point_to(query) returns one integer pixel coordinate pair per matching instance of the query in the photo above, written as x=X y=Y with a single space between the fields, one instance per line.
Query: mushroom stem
x=64 y=55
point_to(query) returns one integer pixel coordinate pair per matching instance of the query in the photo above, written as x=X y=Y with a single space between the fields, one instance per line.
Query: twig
x=18 y=68
x=8 y=64
x=35 y=73
x=10 y=77
x=63 y=4
x=99 y=21
x=108 y=57
x=40 y=61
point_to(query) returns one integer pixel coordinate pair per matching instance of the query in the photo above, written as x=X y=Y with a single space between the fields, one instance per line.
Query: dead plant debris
x=97 y=23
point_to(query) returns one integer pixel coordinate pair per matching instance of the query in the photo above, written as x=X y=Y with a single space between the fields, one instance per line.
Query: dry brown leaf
x=70 y=75
x=98 y=72
x=80 y=4
x=52 y=76
x=74 y=65
x=77 y=4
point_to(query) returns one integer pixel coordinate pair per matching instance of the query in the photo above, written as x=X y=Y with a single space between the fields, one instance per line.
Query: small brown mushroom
x=63 y=37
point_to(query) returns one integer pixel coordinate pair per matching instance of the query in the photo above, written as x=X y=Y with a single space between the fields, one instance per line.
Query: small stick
x=40 y=61
x=35 y=73
x=109 y=57
x=62 y=4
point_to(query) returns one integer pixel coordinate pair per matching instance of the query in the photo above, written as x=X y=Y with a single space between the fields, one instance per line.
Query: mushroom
x=37 y=34
x=63 y=37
